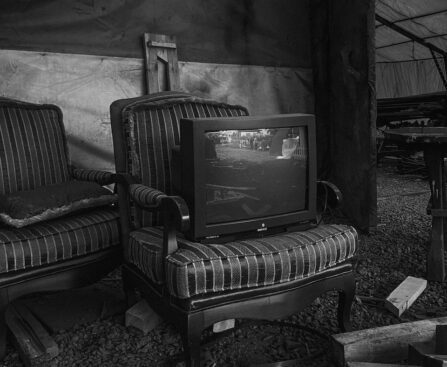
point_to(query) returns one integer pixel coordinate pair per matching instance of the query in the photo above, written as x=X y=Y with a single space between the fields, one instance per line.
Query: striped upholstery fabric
x=144 y=195
x=152 y=130
x=100 y=177
x=33 y=149
x=196 y=268
x=57 y=240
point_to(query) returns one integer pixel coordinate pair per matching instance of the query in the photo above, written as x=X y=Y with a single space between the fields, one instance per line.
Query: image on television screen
x=255 y=173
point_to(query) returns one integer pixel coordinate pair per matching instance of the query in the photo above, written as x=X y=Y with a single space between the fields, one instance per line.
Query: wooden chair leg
x=129 y=288
x=4 y=301
x=191 y=341
x=346 y=297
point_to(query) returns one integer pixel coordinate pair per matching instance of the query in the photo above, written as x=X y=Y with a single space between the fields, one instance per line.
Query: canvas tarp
x=244 y=32
x=405 y=67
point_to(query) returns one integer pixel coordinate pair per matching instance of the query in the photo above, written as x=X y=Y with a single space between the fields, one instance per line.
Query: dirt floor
x=396 y=249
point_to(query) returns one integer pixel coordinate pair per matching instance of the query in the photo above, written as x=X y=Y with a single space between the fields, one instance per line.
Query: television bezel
x=192 y=149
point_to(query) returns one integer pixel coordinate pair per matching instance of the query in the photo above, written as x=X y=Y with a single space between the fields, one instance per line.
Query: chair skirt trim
x=269 y=305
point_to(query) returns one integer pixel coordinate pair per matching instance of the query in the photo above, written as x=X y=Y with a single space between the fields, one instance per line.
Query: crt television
x=246 y=176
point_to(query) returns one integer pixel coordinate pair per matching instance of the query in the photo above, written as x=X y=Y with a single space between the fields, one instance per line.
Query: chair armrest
x=174 y=208
x=100 y=177
x=145 y=196
x=176 y=212
x=328 y=195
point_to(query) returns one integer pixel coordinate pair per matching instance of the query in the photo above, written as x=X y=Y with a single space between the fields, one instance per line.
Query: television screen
x=255 y=173
x=246 y=175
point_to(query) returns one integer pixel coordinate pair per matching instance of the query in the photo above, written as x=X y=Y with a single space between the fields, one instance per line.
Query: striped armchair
x=70 y=251
x=196 y=285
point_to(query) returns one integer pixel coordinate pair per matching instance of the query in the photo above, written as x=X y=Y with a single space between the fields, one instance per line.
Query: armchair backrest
x=145 y=129
x=33 y=149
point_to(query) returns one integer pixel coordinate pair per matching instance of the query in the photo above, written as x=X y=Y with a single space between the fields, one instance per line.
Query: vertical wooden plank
x=161 y=63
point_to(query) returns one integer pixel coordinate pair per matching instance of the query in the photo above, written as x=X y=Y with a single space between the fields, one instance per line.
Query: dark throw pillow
x=23 y=208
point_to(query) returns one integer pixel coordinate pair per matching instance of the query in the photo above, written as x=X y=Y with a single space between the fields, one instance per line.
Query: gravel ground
x=396 y=249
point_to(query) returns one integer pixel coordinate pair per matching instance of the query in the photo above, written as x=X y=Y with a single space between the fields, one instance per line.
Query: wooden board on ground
x=35 y=346
x=383 y=344
x=142 y=317
x=405 y=294
x=370 y=364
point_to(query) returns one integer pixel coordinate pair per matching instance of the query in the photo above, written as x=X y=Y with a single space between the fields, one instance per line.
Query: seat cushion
x=24 y=208
x=196 y=268
x=57 y=240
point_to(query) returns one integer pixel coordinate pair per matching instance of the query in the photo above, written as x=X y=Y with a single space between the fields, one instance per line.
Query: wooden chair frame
x=193 y=315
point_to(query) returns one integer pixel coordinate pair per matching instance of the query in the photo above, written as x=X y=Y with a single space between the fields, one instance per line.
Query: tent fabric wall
x=401 y=79
x=84 y=86
x=405 y=67
x=252 y=52
x=247 y=32
x=426 y=19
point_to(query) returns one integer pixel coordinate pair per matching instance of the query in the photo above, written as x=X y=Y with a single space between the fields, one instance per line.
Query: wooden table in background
x=433 y=142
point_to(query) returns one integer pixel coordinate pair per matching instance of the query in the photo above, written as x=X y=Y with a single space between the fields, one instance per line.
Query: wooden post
x=344 y=82
x=161 y=63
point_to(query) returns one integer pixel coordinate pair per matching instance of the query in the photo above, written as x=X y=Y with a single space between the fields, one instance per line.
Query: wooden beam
x=410 y=35
x=383 y=344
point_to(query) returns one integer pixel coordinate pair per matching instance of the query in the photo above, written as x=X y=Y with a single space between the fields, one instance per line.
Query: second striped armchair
x=66 y=252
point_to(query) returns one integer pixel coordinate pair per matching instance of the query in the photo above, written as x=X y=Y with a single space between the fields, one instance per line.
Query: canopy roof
x=426 y=19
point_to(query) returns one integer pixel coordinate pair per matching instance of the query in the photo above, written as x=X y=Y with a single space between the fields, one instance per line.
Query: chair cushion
x=196 y=268
x=24 y=208
x=57 y=240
